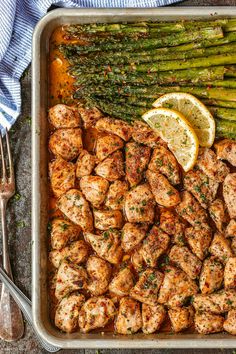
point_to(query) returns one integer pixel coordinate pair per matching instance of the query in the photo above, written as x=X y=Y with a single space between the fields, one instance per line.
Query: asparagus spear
x=225 y=129
x=219 y=103
x=230 y=71
x=223 y=113
x=217 y=83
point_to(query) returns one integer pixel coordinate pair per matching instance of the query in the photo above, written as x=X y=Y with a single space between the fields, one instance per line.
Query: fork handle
x=11 y=320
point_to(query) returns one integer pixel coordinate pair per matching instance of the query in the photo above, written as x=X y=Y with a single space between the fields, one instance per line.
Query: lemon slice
x=196 y=113
x=173 y=128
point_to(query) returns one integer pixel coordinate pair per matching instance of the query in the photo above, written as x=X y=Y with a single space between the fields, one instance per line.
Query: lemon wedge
x=174 y=128
x=194 y=111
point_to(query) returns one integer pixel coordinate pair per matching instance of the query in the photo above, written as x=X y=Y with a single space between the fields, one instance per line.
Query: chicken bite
x=62 y=176
x=230 y=273
x=76 y=252
x=94 y=188
x=173 y=226
x=220 y=247
x=212 y=275
x=217 y=211
x=89 y=116
x=199 y=239
x=186 y=260
x=206 y=323
x=229 y=193
x=191 y=210
x=62 y=116
x=137 y=260
x=63 y=232
x=122 y=282
x=112 y=168
x=66 y=143
x=85 y=164
x=181 y=318
x=115 y=126
x=218 y=303
x=129 y=318
x=230 y=322
x=226 y=150
x=152 y=317
x=99 y=272
x=231 y=229
x=116 y=194
x=132 y=235
x=106 y=219
x=143 y=134
x=107 y=144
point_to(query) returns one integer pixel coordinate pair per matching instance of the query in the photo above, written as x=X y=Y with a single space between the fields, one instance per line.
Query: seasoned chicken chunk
x=76 y=208
x=122 y=282
x=229 y=193
x=62 y=176
x=147 y=287
x=115 y=195
x=164 y=162
x=76 y=252
x=199 y=239
x=212 y=275
x=201 y=186
x=186 y=260
x=220 y=247
x=96 y=313
x=94 y=188
x=217 y=211
x=67 y=312
x=70 y=277
x=106 y=219
x=106 y=245
x=230 y=322
x=112 y=168
x=226 y=150
x=153 y=317
x=85 y=164
x=137 y=260
x=115 y=126
x=136 y=159
x=89 y=116
x=191 y=210
x=233 y=245
x=154 y=245
x=107 y=144
x=208 y=163
x=143 y=134
x=172 y=225
x=99 y=272
x=219 y=302
x=129 y=318
x=165 y=194
x=206 y=323
x=230 y=273
x=132 y=235
x=181 y=318
x=231 y=229
x=62 y=116
x=139 y=204
x=66 y=143
x=63 y=232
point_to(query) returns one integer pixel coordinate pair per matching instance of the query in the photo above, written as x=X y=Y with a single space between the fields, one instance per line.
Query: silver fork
x=11 y=320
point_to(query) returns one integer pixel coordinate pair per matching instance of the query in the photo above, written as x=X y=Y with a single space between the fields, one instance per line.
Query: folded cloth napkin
x=18 y=19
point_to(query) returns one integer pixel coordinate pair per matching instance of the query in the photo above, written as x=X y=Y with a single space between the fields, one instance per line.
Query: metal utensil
x=25 y=305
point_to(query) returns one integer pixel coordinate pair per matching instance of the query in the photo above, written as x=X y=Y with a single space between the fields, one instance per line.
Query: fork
x=11 y=320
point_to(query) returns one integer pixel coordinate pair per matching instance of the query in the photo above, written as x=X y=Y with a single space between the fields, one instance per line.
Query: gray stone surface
x=20 y=232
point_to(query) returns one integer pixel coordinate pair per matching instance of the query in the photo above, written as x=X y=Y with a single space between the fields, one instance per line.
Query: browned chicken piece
x=99 y=272
x=230 y=273
x=107 y=144
x=67 y=312
x=191 y=210
x=143 y=134
x=181 y=318
x=138 y=261
x=76 y=252
x=136 y=160
x=201 y=186
x=206 y=323
x=154 y=245
x=139 y=204
x=66 y=143
x=220 y=247
x=173 y=226
x=233 y=245
x=217 y=211
x=115 y=126
x=199 y=239
x=89 y=116
x=63 y=232
x=112 y=168
x=106 y=245
x=62 y=116
x=219 y=302
x=129 y=318
x=62 y=176
x=165 y=194
x=115 y=195
x=147 y=287
x=176 y=288
x=153 y=317
x=207 y=162
x=230 y=322
x=76 y=208
x=132 y=235
x=226 y=150
x=106 y=219
x=70 y=277
x=94 y=188
x=96 y=313
x=231 y=229
x=212 y=275
x=186 y=260
x=85 y=164
x=122 y=282
x=164 y=162
x=229 y=193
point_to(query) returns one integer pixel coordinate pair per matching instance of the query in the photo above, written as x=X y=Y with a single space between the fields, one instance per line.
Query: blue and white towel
x=18 y=19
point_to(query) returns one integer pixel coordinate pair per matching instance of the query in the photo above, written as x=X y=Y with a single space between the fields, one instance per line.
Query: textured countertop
x=19 y=211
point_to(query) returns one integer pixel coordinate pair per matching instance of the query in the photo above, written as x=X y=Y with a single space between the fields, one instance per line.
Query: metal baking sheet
x=41 y=37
